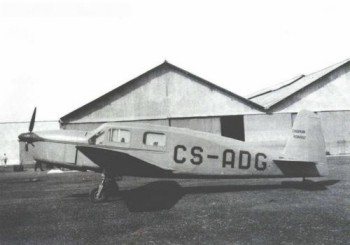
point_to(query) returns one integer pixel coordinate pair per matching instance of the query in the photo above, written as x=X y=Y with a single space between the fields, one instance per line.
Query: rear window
x=120 y=135
x=154 y=139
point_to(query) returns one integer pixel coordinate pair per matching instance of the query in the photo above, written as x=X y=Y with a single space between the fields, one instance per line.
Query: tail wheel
x=96 y=197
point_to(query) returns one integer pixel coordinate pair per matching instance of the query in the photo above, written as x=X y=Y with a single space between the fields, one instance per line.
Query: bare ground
x=38 y=208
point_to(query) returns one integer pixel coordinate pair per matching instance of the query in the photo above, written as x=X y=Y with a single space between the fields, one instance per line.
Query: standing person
x=5 y=159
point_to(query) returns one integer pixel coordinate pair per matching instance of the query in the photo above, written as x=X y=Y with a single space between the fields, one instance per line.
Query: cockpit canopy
x=120 y=135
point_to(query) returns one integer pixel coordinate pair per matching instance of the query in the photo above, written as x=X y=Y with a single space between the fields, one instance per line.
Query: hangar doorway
x=233 y=127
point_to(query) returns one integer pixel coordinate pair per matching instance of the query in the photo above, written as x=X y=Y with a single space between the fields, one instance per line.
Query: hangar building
x=168 y=95
x=325 y=92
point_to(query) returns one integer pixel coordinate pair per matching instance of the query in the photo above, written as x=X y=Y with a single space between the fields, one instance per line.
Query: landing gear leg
x=307 y=182
x=107 y=187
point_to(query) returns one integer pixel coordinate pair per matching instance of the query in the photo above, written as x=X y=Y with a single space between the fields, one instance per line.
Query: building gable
x=330 y=93
x=302 y=91
x=163 y=92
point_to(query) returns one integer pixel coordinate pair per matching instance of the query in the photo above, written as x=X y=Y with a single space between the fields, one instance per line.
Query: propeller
x=32 y=121
x=29 y=137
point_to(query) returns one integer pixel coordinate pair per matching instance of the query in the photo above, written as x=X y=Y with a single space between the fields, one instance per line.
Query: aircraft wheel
x=97 y=199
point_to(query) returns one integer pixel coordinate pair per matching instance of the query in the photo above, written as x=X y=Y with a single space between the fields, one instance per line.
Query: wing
x=292 y=168
x=122 y=163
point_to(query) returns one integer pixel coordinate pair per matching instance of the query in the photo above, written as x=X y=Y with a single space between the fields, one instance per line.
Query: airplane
x=142 y=150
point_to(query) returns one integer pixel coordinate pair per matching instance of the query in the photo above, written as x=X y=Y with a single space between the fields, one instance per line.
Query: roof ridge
x=334 y=66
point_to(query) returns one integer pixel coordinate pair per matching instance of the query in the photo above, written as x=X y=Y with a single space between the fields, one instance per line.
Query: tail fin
x=307 y=141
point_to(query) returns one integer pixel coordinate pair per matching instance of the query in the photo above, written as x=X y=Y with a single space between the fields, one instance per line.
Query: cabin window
x=154 y=139
x=120 y=135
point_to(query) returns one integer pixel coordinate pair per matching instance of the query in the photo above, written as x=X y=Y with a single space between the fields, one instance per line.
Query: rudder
x=306 y=142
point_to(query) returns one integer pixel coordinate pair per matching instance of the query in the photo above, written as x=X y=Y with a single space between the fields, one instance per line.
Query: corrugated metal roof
x=271 y=96
x=168 y=66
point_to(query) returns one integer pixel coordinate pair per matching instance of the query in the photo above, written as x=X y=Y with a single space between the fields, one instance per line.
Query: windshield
x=98 y=138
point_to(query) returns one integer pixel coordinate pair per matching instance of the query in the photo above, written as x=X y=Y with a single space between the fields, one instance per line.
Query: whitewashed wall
x=210 y=125
x=91 y=126
x=336 y=129
x=268 y=130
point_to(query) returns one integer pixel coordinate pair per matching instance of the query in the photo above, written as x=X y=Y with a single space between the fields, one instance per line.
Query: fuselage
x=181 y=152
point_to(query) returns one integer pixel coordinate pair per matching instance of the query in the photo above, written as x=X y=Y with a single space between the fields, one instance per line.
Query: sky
x=60 y=55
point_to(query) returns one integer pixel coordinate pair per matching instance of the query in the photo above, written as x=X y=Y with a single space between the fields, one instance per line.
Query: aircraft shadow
x=162 y=195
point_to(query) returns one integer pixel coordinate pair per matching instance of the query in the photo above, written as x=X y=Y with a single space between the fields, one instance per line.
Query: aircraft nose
x=24 y=137
x=28 y=137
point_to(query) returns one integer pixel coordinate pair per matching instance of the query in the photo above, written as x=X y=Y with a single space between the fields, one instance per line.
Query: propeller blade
x=26 y=146
x=32 y=121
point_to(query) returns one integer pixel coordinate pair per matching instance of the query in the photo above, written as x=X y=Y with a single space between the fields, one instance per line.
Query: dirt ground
x=41 y=208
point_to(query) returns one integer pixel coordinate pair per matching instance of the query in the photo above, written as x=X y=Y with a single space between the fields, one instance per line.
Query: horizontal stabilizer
x=292 y=168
